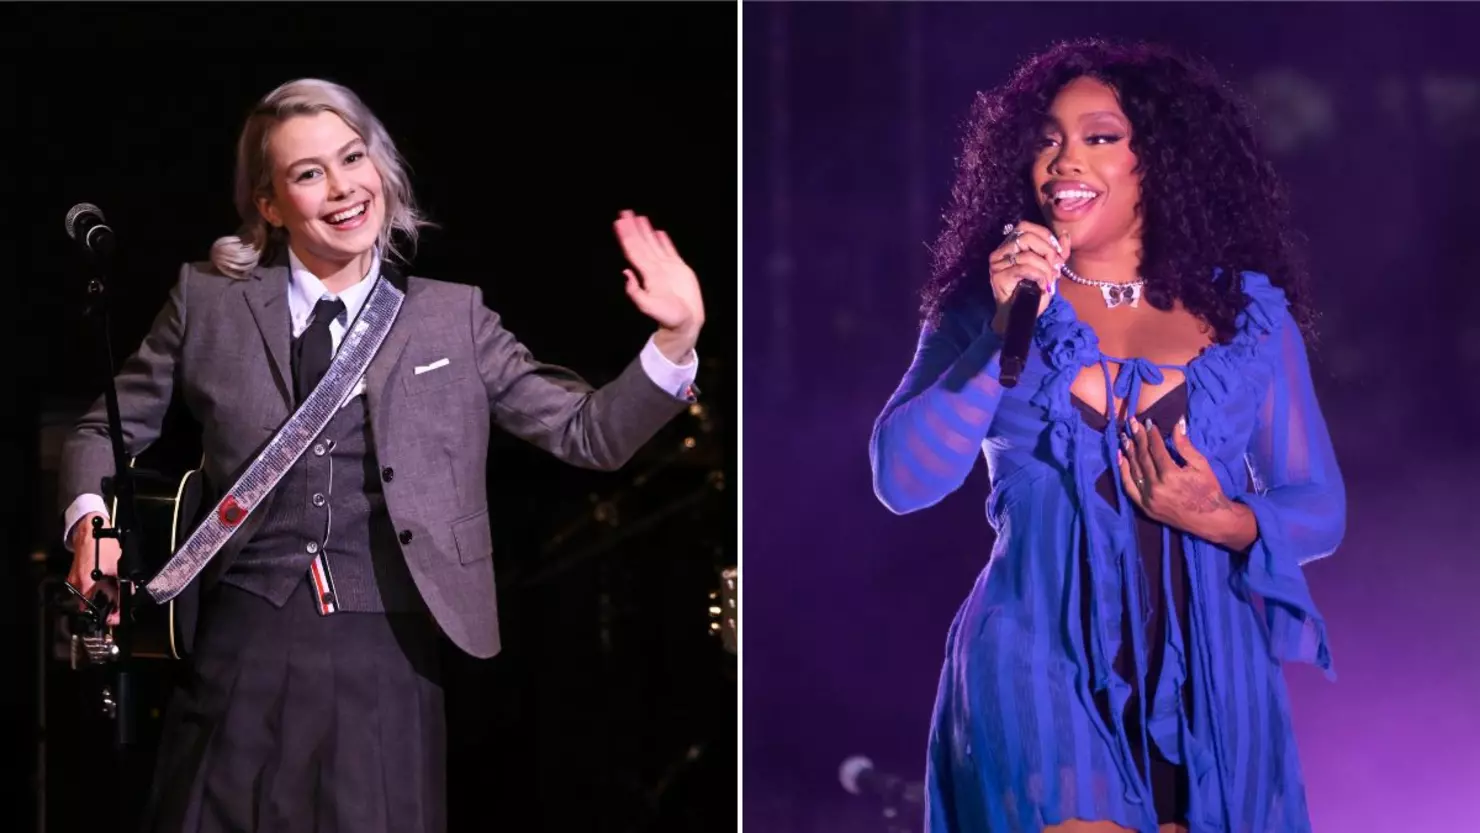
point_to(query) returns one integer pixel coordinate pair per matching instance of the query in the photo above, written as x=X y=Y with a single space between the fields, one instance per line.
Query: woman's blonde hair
x=238 y=254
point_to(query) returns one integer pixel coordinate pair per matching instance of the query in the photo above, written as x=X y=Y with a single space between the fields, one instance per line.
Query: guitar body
x=169 y=507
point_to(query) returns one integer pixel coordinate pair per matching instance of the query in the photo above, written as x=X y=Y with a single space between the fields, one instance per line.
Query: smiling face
x=325 y=192
x=1084 y=174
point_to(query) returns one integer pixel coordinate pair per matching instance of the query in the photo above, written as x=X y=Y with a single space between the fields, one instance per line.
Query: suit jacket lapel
x=390 y=350
x=267 y=297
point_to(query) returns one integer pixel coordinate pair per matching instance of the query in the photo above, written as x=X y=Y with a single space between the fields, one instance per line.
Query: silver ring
x=1007 y=229
x=1141 y=485
x=1012 y=258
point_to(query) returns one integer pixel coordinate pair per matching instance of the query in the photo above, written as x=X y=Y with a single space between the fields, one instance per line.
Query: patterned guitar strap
x=359 y=347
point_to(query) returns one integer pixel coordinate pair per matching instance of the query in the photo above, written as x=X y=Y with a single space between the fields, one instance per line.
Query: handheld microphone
x=1022 y=316
x=86 y=225
x=859 y=777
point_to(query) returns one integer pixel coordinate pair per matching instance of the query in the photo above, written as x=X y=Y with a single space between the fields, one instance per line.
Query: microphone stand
x=119 y=702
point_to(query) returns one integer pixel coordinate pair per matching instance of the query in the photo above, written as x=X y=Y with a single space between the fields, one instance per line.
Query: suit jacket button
x=406 y=536
x=388 y=474
x=327 y=598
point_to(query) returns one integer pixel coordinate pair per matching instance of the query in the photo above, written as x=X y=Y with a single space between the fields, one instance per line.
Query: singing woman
x=1159 y=476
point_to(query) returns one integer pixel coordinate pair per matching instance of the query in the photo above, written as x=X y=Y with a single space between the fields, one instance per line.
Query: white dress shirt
x=305 y=290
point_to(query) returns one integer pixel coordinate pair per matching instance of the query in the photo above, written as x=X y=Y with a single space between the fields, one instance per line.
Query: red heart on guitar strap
x=231 y=512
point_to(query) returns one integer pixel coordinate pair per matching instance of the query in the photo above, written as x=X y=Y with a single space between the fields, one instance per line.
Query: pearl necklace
x=1115 y=293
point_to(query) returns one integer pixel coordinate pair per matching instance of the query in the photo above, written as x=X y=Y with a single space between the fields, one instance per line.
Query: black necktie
x=314 y=349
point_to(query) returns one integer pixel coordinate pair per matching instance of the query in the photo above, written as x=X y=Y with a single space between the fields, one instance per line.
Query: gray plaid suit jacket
x=224 y=344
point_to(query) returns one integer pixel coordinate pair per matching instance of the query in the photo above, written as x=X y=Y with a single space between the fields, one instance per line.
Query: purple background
x=851 y=123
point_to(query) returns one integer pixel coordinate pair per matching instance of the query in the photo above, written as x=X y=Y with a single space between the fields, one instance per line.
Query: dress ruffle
x=1242 y=368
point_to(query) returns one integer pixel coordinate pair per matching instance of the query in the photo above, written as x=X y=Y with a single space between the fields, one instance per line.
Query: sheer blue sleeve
x=930 y=433
x=1298 y=499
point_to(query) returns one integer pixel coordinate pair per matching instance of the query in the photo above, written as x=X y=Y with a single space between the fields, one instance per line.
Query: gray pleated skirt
x=292 y=722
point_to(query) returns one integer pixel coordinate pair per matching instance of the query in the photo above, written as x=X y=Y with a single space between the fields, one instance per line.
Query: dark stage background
x=527 y=128
x=851 y=125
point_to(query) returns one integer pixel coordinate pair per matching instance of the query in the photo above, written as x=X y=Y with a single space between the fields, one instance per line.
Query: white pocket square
x=423 y=368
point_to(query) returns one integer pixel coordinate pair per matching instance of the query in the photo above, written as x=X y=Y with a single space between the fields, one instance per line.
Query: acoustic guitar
x=169 y=508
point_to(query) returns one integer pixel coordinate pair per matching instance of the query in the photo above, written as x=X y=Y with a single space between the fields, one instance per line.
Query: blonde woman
x=313 y=700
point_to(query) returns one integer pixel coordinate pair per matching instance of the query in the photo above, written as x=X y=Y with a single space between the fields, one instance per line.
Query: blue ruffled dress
x=1017 y=740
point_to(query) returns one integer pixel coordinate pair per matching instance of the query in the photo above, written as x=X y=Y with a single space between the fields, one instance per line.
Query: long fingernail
x=1150 y=426
x=1055 y=241
x=1182 y=426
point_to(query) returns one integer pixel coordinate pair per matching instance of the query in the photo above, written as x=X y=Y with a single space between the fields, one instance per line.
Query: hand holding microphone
x=1025 y=276
x=1030 y=252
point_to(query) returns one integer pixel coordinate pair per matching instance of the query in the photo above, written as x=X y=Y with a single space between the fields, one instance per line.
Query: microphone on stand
x=1022 y=317
x=86 y=225
x=859 y=777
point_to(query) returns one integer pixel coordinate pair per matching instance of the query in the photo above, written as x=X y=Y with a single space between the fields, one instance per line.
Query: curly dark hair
x=1209 y=198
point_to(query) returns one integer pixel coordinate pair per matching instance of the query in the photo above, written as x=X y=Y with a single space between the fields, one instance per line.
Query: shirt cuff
x=83 y=506
x=676 y=379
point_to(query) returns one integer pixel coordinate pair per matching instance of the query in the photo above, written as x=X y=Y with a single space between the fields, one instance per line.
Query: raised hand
x=663 y=287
